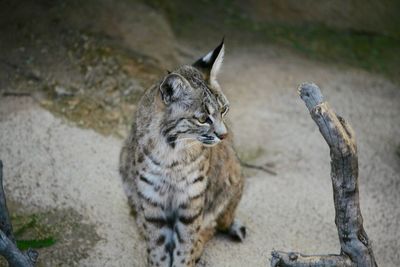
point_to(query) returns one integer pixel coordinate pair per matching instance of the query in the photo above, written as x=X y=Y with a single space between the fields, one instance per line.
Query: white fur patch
x=207 y=57
x=217 y=66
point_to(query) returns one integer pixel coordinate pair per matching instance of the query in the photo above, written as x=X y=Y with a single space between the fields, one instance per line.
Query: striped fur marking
x=190 y=219
x=145 y=180
x=150 y=200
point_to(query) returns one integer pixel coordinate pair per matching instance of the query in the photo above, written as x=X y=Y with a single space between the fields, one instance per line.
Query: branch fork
x=356 y=249
x=8 y=245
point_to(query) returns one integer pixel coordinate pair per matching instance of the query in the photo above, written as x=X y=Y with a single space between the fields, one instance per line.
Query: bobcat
x=178 y=166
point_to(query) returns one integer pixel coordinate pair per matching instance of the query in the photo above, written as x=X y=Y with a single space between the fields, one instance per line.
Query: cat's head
x=193 y=102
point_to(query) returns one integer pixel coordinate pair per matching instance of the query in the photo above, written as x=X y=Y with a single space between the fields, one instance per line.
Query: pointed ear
x=211 y=63
x=173 y=88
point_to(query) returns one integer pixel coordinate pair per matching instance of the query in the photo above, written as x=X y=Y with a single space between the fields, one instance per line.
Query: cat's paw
x=237 y=231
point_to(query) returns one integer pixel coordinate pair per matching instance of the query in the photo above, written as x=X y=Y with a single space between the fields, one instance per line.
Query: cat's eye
x=204 y=119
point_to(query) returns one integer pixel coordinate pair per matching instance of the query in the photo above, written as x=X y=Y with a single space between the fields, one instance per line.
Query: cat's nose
x=221 y=136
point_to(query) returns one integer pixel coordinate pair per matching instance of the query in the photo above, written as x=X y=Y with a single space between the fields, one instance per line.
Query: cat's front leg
x=203 y=237
x=187 y=231
x=172 y=240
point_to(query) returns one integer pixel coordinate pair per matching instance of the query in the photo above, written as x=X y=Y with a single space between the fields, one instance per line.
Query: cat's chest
x=171 y=186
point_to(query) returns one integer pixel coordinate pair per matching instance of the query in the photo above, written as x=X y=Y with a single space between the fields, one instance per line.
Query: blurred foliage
x=38 y=233
x=61 y=236
x=35 y=243
x=370 y=51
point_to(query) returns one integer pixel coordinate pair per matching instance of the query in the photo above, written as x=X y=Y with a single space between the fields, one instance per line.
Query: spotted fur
x=178 y=166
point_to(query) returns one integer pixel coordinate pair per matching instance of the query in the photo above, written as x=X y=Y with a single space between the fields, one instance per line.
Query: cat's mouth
x=209 y=140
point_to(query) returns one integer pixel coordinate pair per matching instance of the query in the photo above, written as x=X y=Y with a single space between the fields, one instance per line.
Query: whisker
x=183 y=139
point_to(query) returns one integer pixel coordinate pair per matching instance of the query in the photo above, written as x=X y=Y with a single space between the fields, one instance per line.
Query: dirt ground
x=63 y=164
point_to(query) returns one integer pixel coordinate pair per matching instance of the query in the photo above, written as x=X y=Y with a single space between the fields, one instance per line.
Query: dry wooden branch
x=8 y=246
x=265 y=168
x=356 y=249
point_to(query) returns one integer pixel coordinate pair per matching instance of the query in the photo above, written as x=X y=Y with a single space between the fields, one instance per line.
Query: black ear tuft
x=207 y=63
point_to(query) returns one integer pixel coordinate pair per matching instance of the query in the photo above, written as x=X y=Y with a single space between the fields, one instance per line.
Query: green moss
x=31 y=229
x=31 y=224
x=372 y=52
x=61 y=236
x=35 y=243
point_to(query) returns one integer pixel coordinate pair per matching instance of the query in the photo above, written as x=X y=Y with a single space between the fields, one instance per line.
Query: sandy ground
x=50 y=163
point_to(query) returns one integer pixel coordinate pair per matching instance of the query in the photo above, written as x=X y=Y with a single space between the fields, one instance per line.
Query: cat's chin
x=210 y=143
x=208 y=140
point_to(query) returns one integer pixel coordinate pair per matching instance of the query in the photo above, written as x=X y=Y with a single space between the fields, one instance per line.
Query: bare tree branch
x=8 y=246
x=356 y=249
x=5 y=222
x=284 y=259
x=265 y=168
x=14 y=256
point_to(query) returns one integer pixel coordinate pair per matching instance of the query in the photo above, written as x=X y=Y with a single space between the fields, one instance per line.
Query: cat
x=178 y=165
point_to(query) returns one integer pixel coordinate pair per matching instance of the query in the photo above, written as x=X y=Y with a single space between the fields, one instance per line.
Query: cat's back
x=142 y=115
